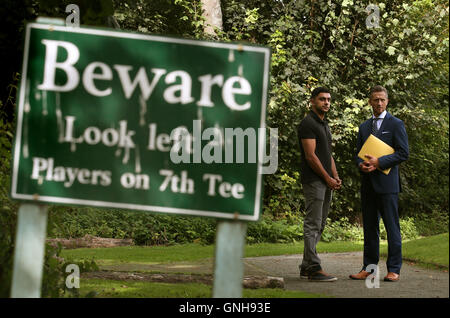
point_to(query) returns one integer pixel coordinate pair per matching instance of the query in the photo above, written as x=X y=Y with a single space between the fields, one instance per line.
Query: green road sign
x=142 y=122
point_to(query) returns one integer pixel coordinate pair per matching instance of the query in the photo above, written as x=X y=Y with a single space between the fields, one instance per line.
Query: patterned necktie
x=374 y=126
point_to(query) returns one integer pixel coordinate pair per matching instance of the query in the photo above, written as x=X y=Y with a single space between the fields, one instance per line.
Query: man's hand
x=372 y=160
x=369 y=165
x=339 y=182
x=334 y=184
x=366 y=167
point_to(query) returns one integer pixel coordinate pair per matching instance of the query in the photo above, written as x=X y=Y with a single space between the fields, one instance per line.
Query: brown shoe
x=362 y=275
x=392 y=277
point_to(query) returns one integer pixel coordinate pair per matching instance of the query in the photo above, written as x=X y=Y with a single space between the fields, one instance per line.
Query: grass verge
x=429 y=252
x=432 y=251
x=132 y=289
x=195 y=252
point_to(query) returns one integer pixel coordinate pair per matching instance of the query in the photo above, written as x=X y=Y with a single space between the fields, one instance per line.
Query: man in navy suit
x=379 y=192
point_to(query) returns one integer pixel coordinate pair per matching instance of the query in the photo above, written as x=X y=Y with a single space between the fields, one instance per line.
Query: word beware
x=179 y=91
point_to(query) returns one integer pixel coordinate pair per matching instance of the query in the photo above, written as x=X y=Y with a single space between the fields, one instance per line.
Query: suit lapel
x=367 y=129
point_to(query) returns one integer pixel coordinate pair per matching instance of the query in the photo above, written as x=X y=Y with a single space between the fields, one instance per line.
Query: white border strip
x=132 y=206
x=51 y=199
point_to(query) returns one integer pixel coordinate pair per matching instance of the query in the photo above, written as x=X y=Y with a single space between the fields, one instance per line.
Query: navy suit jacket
x=392 y=131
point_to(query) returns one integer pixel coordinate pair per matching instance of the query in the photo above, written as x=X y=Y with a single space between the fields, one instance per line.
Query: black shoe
x=304 y=274
x=321 y=276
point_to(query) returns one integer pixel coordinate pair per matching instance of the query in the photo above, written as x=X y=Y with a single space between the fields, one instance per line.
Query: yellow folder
x=377 y=148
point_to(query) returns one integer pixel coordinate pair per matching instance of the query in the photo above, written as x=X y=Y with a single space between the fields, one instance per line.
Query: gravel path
x=415 y=282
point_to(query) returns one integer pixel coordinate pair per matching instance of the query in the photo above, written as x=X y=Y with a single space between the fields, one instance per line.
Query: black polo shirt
x=312 y=127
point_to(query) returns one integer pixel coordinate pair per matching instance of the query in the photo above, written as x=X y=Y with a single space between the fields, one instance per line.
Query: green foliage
x=7 y=238
x=288 y=198
x=341 y=230
x=91 y=12
x=435 y=223
x=325 y=43
x=179 y=17
x=8 y=209
x=268 y=230
x=408 y=229
x=54 y=278
x=143 y=228
x=151 y=229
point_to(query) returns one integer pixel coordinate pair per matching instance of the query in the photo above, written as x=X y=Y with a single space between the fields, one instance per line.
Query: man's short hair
x=319 y=90
x=376 y=89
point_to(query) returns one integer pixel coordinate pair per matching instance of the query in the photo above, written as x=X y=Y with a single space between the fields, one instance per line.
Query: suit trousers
x=317 y=198
x=385 y=205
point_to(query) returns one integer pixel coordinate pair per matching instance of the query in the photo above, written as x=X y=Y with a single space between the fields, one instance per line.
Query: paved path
x=415 y=282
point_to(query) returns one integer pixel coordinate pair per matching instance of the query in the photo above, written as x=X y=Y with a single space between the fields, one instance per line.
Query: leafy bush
x=290 y=229
x=8 y=217
x=144 y=228
x=275 y=231
x=408 y=229
x=342 y=230
x=323 y=43
x=435 y=223
x=288 y=198
x=54 y=278
x=155 y=229
x=8 y=209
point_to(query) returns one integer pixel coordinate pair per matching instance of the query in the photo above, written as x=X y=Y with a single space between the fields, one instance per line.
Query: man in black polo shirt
x=319 y=178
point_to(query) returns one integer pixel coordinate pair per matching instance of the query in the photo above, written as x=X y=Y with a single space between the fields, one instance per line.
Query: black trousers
x=385 y=205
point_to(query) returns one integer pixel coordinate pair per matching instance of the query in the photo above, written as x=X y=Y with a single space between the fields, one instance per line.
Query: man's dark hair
x=319 y=90
x=376 y=89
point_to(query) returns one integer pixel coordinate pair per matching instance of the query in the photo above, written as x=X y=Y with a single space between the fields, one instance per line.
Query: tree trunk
x=213 y=15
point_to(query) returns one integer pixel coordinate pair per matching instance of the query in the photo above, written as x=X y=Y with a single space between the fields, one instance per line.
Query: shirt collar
x=318 y=118
x=382 y=115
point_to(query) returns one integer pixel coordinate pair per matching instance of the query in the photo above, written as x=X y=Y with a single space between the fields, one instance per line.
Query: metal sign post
x=228 y=264
x=29 y=251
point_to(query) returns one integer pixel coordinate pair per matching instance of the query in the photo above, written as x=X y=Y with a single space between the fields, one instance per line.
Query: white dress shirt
x=380 y=119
